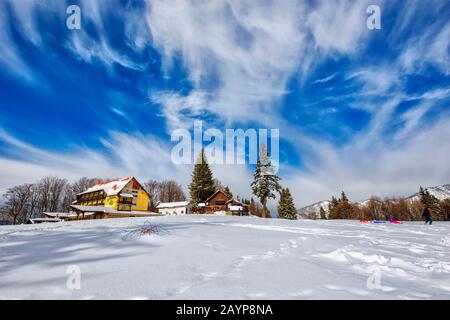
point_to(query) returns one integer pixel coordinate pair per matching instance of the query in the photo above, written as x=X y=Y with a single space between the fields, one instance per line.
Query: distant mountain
x=304 y=212
x=440 y=192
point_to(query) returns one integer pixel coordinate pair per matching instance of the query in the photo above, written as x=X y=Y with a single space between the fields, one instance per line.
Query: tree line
x=49 y=194
x=377 y=209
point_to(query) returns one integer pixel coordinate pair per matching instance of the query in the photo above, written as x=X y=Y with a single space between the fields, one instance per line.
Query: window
x=220 y=202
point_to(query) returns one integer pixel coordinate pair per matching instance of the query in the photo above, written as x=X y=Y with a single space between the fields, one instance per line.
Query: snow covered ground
x=218 y=257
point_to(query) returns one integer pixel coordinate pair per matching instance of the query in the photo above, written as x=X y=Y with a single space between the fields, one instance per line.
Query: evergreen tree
x=228 y=191
x=202 y=183
x=265 y=181
x=323 y=214
x=332 y=208
x=431 y=201
x=343 y=198
x=286 y=206
x=342 y=208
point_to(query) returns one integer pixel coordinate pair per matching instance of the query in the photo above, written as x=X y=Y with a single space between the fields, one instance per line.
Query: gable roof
x=215 y=193
x=110 y=187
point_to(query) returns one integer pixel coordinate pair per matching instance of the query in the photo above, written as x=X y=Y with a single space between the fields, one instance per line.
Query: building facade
x=125 y=194
x=173 y=208
x=221 y=202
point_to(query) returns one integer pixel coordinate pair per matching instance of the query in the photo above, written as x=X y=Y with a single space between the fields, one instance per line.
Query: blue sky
x=362 y=110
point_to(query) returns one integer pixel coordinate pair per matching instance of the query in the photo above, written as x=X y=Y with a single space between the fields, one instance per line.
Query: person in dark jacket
x=427 y=215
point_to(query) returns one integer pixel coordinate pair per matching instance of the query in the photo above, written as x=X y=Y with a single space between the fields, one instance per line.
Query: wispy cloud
x=326 y=79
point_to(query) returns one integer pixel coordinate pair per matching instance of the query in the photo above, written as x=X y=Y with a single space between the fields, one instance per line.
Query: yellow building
x=118 y=198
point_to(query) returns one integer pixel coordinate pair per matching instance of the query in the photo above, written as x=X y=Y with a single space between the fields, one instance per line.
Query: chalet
x=118 y=198
x=221 y=202
x=173 y=208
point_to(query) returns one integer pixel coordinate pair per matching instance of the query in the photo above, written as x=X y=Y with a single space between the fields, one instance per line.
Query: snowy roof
x=56 y=214
x=235 y=208
x=110 y=187
x=172 y=204
x=42 y=220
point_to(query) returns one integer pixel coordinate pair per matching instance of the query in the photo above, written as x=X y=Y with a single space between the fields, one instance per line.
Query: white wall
x=173 y=211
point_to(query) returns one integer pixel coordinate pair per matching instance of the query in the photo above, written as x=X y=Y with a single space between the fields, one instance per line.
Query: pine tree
x=202 y=183
x=332 y=208
x=286 y=206
x=228 y=191
x=323 y=214
x=343 y=198
x=342 y=208
x=431 y=201
x=265 y=181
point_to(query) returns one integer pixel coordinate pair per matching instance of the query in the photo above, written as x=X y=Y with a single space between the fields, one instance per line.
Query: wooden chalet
x=220 y=202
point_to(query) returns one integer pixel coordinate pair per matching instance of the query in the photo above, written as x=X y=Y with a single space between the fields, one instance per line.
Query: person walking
x=427 y=215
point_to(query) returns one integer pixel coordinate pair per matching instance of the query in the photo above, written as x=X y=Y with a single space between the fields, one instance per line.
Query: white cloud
x=90 y=51
x=243 y=53
x=10 y=57
x=326 y=79
x=411 y=120
x=248 y=49
x=337 y=26
x=377 y=80
x=180 y=111
x=429 y=47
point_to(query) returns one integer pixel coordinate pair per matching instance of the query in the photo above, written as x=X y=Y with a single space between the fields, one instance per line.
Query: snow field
x=219 y=257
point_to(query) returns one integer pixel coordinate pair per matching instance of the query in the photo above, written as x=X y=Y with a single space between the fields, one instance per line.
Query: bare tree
x=218 y=185
x=33 y=202
x=17 y=201
x=373 y=209
x=71 y=190
x=164 y=191
x=171 y=191
x=84 y=183
x=445 y=207
x=51 y=193
x=152 y=187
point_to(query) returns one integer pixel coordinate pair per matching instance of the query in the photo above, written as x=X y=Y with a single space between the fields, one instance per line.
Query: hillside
x=440 y=192
x=213 y=257
x=304 y=212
